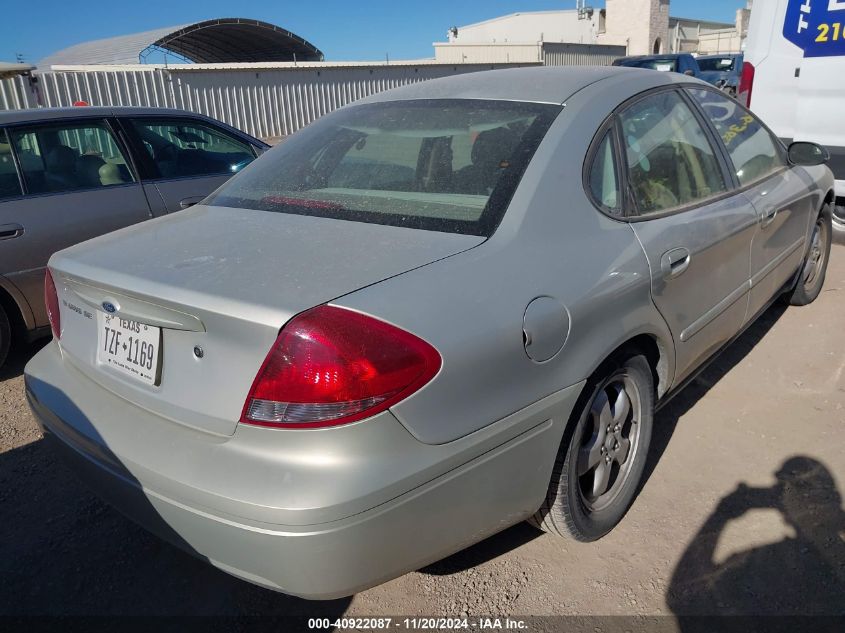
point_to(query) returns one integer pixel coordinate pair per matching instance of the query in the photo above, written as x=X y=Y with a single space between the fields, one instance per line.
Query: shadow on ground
x=19 y=356
x=802 y=574
x=64 y=552
x=665 y=422
x=666 y=419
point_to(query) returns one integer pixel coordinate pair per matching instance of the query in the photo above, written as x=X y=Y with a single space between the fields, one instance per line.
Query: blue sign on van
x=817 y=27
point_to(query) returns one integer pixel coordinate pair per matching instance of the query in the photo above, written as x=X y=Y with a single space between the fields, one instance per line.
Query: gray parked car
x=70 y=174
x=429 y=315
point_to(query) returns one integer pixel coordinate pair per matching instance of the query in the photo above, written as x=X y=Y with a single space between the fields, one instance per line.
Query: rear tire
x=814 y=267
x=5 y=336
x=602 y=456
x=839 y=221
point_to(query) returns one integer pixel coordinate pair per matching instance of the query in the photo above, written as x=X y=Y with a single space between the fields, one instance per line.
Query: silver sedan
x=430 y=315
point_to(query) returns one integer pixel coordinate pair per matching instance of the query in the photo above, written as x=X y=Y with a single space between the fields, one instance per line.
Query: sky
x=343 y=30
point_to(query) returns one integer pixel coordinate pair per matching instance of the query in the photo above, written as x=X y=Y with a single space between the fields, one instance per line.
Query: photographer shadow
x=803 y=574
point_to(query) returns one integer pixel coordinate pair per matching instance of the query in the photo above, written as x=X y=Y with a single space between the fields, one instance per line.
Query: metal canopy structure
x=220 y=41
x=9 y=69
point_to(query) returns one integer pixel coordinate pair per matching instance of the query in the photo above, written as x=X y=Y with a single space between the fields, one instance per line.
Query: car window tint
x=10 y=185
x=717 y=64
x=604 y=181
x=182 y=148
x=70 y=156
x=381 y=161
x=442 y=165
x=754 y=152
x=671 y=162
x=664 y=65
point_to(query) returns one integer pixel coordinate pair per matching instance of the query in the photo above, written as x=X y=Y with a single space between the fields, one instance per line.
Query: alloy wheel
x=610 y=442
x=814 y=266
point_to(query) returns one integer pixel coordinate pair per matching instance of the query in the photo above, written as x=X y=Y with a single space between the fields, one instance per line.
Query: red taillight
x=332 y=366
x=51 y=300
x=746 y=84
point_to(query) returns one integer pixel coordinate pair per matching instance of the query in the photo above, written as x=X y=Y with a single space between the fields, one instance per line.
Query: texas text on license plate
x=130 y=347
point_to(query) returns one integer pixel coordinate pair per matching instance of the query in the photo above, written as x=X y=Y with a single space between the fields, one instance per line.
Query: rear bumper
x=322 y=545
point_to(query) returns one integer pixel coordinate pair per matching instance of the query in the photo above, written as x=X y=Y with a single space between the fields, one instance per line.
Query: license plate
x=129 y=347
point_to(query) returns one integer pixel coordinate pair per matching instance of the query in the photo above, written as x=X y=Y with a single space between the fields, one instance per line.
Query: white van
x=794 y=77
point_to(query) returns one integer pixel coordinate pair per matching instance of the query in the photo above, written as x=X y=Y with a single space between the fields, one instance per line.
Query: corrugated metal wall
x=262 y=102
x=560 y=54
x=15 y=94
x=498 y=53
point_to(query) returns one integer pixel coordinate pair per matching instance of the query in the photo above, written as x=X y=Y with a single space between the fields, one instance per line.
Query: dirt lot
x=741 y=512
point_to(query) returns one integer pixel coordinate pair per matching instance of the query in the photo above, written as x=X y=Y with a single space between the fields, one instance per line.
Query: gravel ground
x=741 y=512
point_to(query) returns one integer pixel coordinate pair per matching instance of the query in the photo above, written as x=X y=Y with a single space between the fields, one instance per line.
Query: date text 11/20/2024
x=418 y=624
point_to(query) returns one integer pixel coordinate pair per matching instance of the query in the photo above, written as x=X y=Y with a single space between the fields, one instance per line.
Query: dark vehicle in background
x=723 y=71
x=682 y=63
x=70 y=174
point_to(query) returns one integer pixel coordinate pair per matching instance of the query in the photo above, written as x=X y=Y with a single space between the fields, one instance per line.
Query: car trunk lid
x=220 y=283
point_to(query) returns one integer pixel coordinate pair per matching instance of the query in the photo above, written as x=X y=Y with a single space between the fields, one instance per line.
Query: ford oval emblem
x=109 y=307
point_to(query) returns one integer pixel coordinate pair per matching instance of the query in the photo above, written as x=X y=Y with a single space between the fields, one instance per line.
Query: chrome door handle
x=184 y=203
x=768 y=216
x=10 y=231
x=674 y=263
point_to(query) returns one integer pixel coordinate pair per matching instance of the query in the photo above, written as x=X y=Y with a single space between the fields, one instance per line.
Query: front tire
x=5 y=336
x=602 y=457
x=814 y=268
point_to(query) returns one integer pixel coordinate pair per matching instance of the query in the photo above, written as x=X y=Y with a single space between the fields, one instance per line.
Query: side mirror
x=808 y=154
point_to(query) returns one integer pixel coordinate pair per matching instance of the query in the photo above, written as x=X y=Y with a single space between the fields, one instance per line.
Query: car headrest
x=89 y=168
x=494 y=146
x=61 y=159
x=110 y=174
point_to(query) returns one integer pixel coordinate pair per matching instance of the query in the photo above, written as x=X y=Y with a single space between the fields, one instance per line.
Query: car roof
x=49 y=114
x=664 y=56
x=545 y=84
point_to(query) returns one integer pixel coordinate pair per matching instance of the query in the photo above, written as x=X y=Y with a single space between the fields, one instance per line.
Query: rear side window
x=603 y=176
x=69 y=157
x=717 y=64
x=754 y=151
x=441 y=165
x=181 y=148
x=10 y=186
x=664 y=65
x=671 y=163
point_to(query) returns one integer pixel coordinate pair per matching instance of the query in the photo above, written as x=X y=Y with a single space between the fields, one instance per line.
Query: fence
x=265 y=102
x=719 y=42
x=562 y=54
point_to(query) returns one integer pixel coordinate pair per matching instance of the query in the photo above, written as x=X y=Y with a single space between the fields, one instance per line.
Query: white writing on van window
x=836 y=5
x=803 y=25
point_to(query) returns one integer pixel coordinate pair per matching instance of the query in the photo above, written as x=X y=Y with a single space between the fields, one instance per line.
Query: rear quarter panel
x=552 y=242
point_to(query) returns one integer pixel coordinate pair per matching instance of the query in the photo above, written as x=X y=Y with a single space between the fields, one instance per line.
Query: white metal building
x=640 y=26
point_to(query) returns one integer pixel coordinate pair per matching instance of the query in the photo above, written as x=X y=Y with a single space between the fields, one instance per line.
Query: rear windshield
x=441 y=165
x=717 y=63
x=667 y=65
